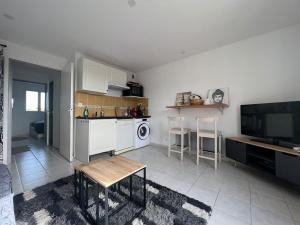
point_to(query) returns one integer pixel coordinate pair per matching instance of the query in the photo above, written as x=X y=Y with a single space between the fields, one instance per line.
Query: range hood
x=117 y=86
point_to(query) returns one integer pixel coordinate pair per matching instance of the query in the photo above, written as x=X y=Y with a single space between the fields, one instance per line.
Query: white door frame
x=7 y=112
x=47 y=114
x=70 y=109
x=25 y=54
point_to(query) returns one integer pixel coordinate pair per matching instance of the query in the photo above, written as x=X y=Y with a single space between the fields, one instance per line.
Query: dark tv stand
x=275 y=142
x=280 y=161
x=265 y=141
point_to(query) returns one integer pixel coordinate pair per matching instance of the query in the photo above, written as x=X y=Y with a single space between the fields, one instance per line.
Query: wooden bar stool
x=213 y=134
x=176 y=128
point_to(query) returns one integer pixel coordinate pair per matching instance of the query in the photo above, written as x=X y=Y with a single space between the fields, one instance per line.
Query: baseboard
x=159 y=145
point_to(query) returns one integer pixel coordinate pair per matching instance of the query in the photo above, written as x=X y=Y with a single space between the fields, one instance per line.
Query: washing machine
x=141 y=132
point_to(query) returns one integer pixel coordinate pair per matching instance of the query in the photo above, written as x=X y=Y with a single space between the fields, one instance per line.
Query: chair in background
x=176 y=128
x=213 y=134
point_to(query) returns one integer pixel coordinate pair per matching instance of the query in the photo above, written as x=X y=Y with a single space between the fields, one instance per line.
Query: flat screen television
x=276 y=123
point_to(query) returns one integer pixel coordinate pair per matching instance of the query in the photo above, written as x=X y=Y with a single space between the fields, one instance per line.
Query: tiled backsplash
x=109 y=104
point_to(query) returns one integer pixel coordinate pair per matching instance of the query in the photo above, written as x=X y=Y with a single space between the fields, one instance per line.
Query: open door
x=66 y=112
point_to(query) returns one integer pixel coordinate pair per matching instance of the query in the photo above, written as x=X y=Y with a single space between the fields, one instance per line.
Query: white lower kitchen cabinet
x=94 y=137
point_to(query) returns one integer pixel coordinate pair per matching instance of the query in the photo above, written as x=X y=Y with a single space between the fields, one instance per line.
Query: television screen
x=279 y=125
x=276 y=121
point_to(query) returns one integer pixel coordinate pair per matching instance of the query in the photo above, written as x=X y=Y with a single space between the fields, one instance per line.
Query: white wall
x=18 y=52
x=25 y=54
x=264 y=68
x=22 y=118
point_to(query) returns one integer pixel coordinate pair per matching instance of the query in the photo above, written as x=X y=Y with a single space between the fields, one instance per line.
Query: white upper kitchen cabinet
x=117 y=78
x=92 y=76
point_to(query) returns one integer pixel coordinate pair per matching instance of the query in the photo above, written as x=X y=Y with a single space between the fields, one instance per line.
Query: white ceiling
x=152 y=33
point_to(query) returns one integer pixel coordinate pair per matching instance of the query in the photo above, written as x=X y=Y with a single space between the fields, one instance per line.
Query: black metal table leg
x=97 y=205
x=75 y=184
x=145 y=193
x=86 y=193
x=106 y=206
x=80 y=189
x=83 y=189
x=130 y=187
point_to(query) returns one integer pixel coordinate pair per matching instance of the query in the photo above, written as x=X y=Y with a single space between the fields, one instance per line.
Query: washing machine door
x=143 y=131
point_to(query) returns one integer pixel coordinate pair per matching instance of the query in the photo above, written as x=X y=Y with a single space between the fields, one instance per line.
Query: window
x=35 y=101
x=42 y=101
x=32 y=101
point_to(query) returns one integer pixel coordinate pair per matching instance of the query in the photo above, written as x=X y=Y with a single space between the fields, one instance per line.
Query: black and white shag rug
x=54 y=204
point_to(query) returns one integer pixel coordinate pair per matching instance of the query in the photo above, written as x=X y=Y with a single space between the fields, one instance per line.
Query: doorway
x=28 y=110
x=35 y=107
x=36 y=117
x=41 y=92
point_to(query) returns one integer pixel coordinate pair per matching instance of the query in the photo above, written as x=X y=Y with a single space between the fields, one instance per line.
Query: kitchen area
x=106 y=123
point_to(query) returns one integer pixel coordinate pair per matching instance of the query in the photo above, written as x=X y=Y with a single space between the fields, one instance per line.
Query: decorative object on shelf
x=186 y=98
x=183 y=98
x=207 y=102
x=179 y=99
x=196 y=100
x=218 y=96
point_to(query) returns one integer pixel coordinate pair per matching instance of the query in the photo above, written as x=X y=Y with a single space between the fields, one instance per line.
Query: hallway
x=35 y=164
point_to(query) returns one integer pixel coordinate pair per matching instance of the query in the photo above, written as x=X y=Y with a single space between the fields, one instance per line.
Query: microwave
x=135 y=89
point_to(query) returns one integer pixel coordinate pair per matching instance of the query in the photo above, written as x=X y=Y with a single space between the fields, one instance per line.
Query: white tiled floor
x=238 y=195
x=38 y=166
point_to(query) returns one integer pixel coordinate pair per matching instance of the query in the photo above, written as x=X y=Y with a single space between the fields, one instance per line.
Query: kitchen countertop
x=112 y=117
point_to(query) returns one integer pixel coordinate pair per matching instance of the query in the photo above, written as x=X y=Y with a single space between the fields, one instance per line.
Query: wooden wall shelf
x=212 y=106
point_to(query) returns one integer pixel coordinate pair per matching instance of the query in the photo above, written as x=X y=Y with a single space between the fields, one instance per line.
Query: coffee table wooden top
x=107 y=172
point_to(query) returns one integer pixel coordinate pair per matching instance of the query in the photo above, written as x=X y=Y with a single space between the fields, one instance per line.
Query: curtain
x=1 y=100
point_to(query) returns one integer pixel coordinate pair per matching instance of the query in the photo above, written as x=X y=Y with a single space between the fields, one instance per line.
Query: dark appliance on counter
x=135 y=90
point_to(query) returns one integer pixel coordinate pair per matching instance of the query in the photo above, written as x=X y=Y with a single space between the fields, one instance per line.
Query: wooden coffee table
x=107 y=173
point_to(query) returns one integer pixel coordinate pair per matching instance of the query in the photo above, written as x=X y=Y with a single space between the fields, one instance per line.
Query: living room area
x=170 y=113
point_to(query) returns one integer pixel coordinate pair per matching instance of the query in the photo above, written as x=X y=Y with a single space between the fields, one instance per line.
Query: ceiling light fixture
x=8 y=16
x=131 y=3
